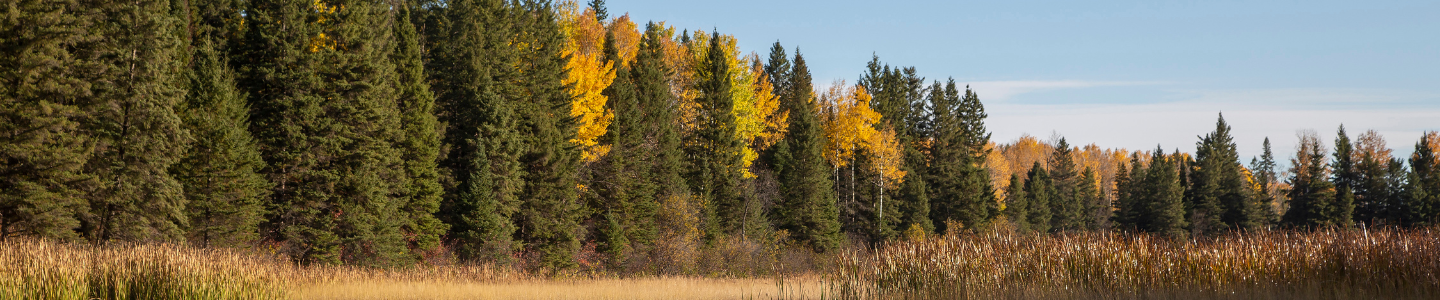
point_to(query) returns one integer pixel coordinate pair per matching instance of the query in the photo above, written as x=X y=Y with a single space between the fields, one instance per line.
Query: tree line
x=381 y=133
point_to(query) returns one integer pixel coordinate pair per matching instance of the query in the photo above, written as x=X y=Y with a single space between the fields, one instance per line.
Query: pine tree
x=1095 y=214
x=43 y=98
x=1125 y=205
x=807 y=210
x=619 y=180
x=714 y=149
x=1345 y=178
x=1311 y=194
x=224 y=191
x=777 y=69
x=550 y=211
x=420 y=143
x=470 y=64
x=1039 y=193
x=132 y=117
x=660 y=156
x=324 y=111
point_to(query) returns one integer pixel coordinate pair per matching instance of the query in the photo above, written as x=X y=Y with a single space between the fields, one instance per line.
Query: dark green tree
x=600 y=13
x=777 y=69
x=1126 y=213
x=224 y=191
x=1263 y=171
x=899 y=96
x=550 y=210
x=1345 y=178
x=470 y=64
x=618 y=177
x=1066 y=207
x=137 y=84
x=1219 y=197
x=1160 y=197
x=714 y=150
x=324 y=111
x=1017 y=209
x=1095 y=211
x=1422 y=185
x=1311 y=194
x=807 y=208
x=1039 y=192
x=960 y=188
x=43 y=100
x=420 y=143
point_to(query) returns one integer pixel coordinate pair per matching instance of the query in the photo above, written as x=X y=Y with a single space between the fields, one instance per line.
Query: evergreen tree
x=600 y=13
x=324 y=111
x=714 y=150
x=1218 y=195
x=898 y=95
x=43 y=101
x=1345 y=178
x=420 y=143
x=660 y=157
x=1016 y=207
x=1095 y=214
x=1312 y=195
x=1126 y=209
x=807 y=210
x=1039 y=193
x=470 y=65
x=1066 y=206
x=1161 y=200
x=960 y=187
x=777 y=68
x=550 y=211
x=618 y=179
x=224 y=191
x=131 y=114
x=1422 y=185
x=1264 y=173
x=1373 y=190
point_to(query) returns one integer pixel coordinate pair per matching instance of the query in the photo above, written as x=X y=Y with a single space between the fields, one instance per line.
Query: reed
x=1332 y=264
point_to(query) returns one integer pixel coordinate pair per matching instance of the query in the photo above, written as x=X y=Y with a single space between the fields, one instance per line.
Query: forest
x=556 y=136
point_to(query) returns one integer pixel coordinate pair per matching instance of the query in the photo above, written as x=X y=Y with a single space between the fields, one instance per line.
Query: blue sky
x=1128 y=74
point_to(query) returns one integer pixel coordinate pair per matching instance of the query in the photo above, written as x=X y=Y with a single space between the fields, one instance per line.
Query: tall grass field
x=1332 y=264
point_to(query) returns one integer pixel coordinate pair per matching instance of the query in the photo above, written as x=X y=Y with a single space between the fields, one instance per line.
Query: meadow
x=1326 y=264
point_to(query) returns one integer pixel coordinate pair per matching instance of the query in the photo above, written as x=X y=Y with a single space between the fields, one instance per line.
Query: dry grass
x=1277 y=265
x=641 y=288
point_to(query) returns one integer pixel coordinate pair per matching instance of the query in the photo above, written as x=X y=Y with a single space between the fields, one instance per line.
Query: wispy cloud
x=1005 y=90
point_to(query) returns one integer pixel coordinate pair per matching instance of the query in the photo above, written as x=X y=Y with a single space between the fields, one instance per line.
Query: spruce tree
x=1095 y=213
x=224 y=191
x=898 y=95
x=1066 y=207
x=324 y=111
x=1311 y=194
x=1016 y=207
x=777 y=69
x=714 y=149
x=807 y=210
x=1219 y=197
x=1422 y=185
x=1162 y=207
x=131 y=114
x=1345 y=178
x=1039 y=193
x=469 y=63
x=659 y=158
x=960 y=187
x=1263 y=170
x=1373 y=189
x=420 y=143
x=1125 y=208
x=43 y=101
x=618 y=179
x=550 y=210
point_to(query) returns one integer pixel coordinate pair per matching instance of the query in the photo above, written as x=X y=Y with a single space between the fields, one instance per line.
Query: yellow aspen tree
x=768 y=105
x=887 y=160
x=848 y=120
x=755 y=107
x=627 y=38
x=587 y=75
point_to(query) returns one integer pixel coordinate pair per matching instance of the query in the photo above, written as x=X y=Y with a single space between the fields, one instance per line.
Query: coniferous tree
x=43 y=101
x=714 y=150
x=807 y=210
x=1039 y=193
x=618 y=179
x=138 y=83
x=1218 y=196
x=1311 y=194
x=550 y=211
x=324 y=111
x=777 y=68
x=1374 y=192
x=661 y=156
x=1422 y=185
x=1162 y=207
x=898 y=95
x=420 y=143
x=1095 y=213
x=960 y=187
x=1017 y=210
x=470 y=64
x=1345 y=178
x=224 y=191
x=1125 y=208
x=1263 y=170
x=1066 y=206
x=600 y=13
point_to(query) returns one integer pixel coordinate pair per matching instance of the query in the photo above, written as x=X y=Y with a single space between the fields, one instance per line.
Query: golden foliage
x=758 y=119
x=588 y=75
x=888 y=157
x=848 y=119
x=627 y=38
x=1372 y=144
x=323 y=41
